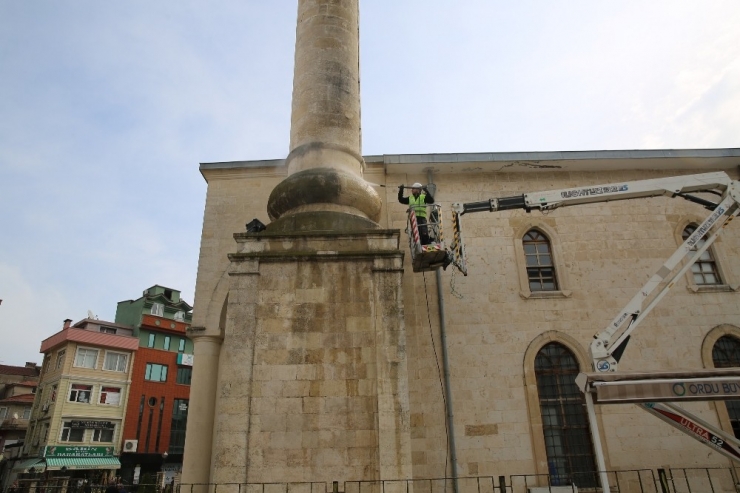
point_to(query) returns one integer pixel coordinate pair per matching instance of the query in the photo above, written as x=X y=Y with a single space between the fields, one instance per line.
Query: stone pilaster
x=197 y=457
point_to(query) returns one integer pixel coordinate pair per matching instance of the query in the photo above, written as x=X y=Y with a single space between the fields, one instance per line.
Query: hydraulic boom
x=608 y=345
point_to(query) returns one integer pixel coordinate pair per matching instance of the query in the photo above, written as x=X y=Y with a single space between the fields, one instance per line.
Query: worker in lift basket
x=418 y=199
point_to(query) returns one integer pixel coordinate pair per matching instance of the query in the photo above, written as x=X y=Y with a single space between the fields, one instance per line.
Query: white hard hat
x=416 y=185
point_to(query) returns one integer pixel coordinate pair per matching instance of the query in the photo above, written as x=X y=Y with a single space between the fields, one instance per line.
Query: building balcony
x=13 y=424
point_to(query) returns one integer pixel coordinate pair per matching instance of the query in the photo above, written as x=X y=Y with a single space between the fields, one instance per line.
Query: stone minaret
x=300 y=367
x=325 y=189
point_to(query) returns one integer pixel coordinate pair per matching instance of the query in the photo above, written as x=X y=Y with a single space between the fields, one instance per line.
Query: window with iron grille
x=570 y=453
x=726 y=354
x=704 y=270
x=540 y=267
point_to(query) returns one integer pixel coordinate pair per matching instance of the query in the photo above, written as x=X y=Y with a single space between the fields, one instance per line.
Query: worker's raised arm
x=428 y=199
x=401 y=198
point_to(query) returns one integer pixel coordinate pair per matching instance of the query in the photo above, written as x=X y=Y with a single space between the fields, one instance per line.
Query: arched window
x=570 y=453
x=705 y=269
x=540 y=265
x=726 y=354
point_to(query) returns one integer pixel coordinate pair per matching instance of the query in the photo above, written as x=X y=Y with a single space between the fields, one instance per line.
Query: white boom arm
x=609 y=344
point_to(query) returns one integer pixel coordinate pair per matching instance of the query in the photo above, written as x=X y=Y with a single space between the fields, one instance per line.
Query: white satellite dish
x=91 y=315
x=15 y=415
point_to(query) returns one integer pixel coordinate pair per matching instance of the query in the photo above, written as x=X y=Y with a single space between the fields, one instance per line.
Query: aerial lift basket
x=434 y=254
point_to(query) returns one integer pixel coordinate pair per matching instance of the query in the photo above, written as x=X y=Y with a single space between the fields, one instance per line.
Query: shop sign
x=185 y=359
x=77 y=451
x=94 y=425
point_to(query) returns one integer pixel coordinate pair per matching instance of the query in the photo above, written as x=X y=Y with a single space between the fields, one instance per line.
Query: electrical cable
x=439 y=373
x=453 y=287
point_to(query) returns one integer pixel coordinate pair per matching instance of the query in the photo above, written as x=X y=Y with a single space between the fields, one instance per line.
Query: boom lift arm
x=609 y=344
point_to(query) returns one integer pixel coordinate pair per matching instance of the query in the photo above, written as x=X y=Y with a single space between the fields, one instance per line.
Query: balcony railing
x=13 y=424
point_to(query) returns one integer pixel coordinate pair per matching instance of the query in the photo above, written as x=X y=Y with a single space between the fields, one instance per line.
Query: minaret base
x=318 y=221
x=313 y=377
x=325 y=189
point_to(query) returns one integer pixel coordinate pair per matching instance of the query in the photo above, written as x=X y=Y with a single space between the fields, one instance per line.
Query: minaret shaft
x=325 y=189
x=326 y=87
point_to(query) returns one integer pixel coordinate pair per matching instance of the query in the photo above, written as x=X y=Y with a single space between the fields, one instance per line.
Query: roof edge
x=472 y=157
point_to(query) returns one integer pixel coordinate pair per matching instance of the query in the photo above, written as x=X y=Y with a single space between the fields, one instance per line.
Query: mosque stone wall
x=495 y=327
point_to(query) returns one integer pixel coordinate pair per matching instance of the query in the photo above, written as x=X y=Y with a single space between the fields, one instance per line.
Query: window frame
x=728 y=281
x=117 y=354
x=4 y=412
x=105 y=391
x=157 y=310
x=532 y=394
x=149 y=369
x=99 y=432
x=66 y=425
x=538 y=241
x=167 y=343
x=710 y=261
x=184 y=370
x=151 y=340
x=77 y=355
x=707 y=356
x=563 y=280
x=61 y=356
x=178 y=425
x=89 y=388
x=26 y=413
x=181 y=345
x=566 y=423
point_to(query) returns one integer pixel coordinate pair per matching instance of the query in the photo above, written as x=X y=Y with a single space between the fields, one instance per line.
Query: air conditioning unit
x=130 y=445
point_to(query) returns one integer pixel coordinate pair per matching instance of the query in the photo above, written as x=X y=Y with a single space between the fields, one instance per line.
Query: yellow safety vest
x=420 y=208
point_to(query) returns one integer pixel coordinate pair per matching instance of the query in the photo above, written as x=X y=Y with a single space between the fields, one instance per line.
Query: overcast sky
x=107 y=109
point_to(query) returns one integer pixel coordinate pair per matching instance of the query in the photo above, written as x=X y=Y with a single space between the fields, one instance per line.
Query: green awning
x=37 y=463
x=56 y=463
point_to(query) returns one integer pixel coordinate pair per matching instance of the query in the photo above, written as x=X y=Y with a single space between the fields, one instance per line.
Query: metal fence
x=67 y=485
x=673 y=480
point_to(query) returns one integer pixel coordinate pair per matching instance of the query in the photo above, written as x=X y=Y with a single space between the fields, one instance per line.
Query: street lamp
x=163 y=473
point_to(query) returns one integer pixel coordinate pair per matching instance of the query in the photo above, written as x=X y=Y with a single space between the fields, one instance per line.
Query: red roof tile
x=18 y=370
x=19 y=399
x=25 y=383
x=90 y=337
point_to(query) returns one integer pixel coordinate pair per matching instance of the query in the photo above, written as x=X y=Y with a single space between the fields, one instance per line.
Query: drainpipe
x=445 y=362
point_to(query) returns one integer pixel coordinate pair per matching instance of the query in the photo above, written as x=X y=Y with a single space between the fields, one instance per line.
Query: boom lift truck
x=608 y=345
